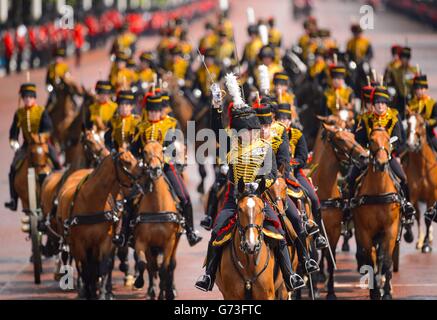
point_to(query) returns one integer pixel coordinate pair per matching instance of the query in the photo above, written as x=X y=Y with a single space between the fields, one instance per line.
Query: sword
x=329 y=245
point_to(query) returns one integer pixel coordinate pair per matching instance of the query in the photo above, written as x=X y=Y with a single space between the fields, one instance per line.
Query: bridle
x=119 y=166
x=96 y=156
x=374 y=153
x=339 y=151
x=243 y=229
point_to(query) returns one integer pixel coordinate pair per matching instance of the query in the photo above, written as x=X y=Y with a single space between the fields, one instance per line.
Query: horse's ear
x=329 y=128
x=262 y=186
x=281 y=169
x=241 y=186
x=407 y=112
x=322 y=118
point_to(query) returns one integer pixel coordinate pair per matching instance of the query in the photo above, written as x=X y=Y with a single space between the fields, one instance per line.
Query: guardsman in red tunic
x=79 y=40
x=9 y=46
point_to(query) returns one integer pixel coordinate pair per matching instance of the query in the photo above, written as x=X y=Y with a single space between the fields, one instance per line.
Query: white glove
x=216 y=95
x=14 y=145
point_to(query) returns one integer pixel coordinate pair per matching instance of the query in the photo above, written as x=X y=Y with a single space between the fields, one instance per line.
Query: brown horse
x=62 y=110
x=74 y=152
x=376 y=214
x=338 y=146
x=52 y=185
x=247 y=268
x=158 y=228
x=421 y=170
x=91 y=214
x=36 y=157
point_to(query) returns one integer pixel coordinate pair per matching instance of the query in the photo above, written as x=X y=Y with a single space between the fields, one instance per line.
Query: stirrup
x=311 y=229
x=321 y=242
x=311 y=266
x=206 y=223
x=204 y=283
x=295 y=282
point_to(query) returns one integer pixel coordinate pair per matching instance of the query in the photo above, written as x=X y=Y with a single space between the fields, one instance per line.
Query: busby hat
x=356 y=28
x=380 y=95
x=146 y=56
x=264 y=113
x=125 y=97
x=420 y=81
x=154 y=102
x=60 y=52
x=266 y=52
x=337 y=71
x=405 y=53
x=366 y=93
x=252 y=29
x=28 y=90
x=103 y=86
x=280 y=78
x=283 y=111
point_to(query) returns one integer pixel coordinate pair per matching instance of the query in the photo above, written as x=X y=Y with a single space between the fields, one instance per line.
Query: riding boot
x=54 y=158
x=305 y=260
x=407 y=208
x=320 y=240
x=211 y=209
x=192 y=236
x=13 y=203
x=206 y=282
x=292 y=280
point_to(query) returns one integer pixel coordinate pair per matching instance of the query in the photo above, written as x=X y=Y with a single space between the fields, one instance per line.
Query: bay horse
x=51 y=187
x=158 y=226
x=338 y=146
x=91 y=213
x=247 y=269
x=37 y=156
x=62 y=110
x=421 y=169
x=376 y=213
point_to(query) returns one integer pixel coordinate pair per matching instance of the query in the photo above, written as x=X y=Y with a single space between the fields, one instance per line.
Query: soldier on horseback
x=388 y=118
x=338 y=95
x=160 y=127
x=100 y=113
x=250 y=160
x=56 y=72
x=30 y=119
x=277 y=134
x=423 y=104
x=299 y=155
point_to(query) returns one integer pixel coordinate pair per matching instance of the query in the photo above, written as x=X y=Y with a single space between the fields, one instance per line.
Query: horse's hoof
x=375 y=295
x=426 y=248
x=408 y=236
x=124 y=267
x=169 y=295
x=81 y=294
x=387 y=296
x=129 y=281
x=161 y=295
x=345 y=247
x=109 y=296
x=331 y=296
x=139 y=282
x=151 y=293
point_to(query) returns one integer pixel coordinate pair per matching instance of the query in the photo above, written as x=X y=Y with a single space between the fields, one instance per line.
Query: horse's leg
x=109 y=295
x=141 y=265
x=332 y=221
x=420 y=238
x=388 y=244
x=202 y=172
x=123 y=255
x=426 y=247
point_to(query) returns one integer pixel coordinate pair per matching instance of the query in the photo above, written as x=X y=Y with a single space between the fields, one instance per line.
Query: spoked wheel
x=396 y=257
x=35 y=236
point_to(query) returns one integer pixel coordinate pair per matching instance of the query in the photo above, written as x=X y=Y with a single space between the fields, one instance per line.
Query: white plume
x=264 y=78
x=234 y=90
x=250 y=16
x=224 y=5
x=264 y=34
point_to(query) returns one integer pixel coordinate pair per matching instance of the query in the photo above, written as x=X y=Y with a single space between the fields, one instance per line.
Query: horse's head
x=153 y=159
x=416 y=131
x=344 y=119
x=380 y=148
x=38 y=151
x=94 y=146
x=128 y=169
x=345 y=147
x=250 y=216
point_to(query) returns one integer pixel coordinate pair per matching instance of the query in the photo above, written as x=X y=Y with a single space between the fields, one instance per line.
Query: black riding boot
x=54 y=158
x=192 y=236
x=13 y=203
x=407 y=208
x=292 y=280
x=320 y=240
x=206 y=282
x=211 y=209
x=309 y=265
